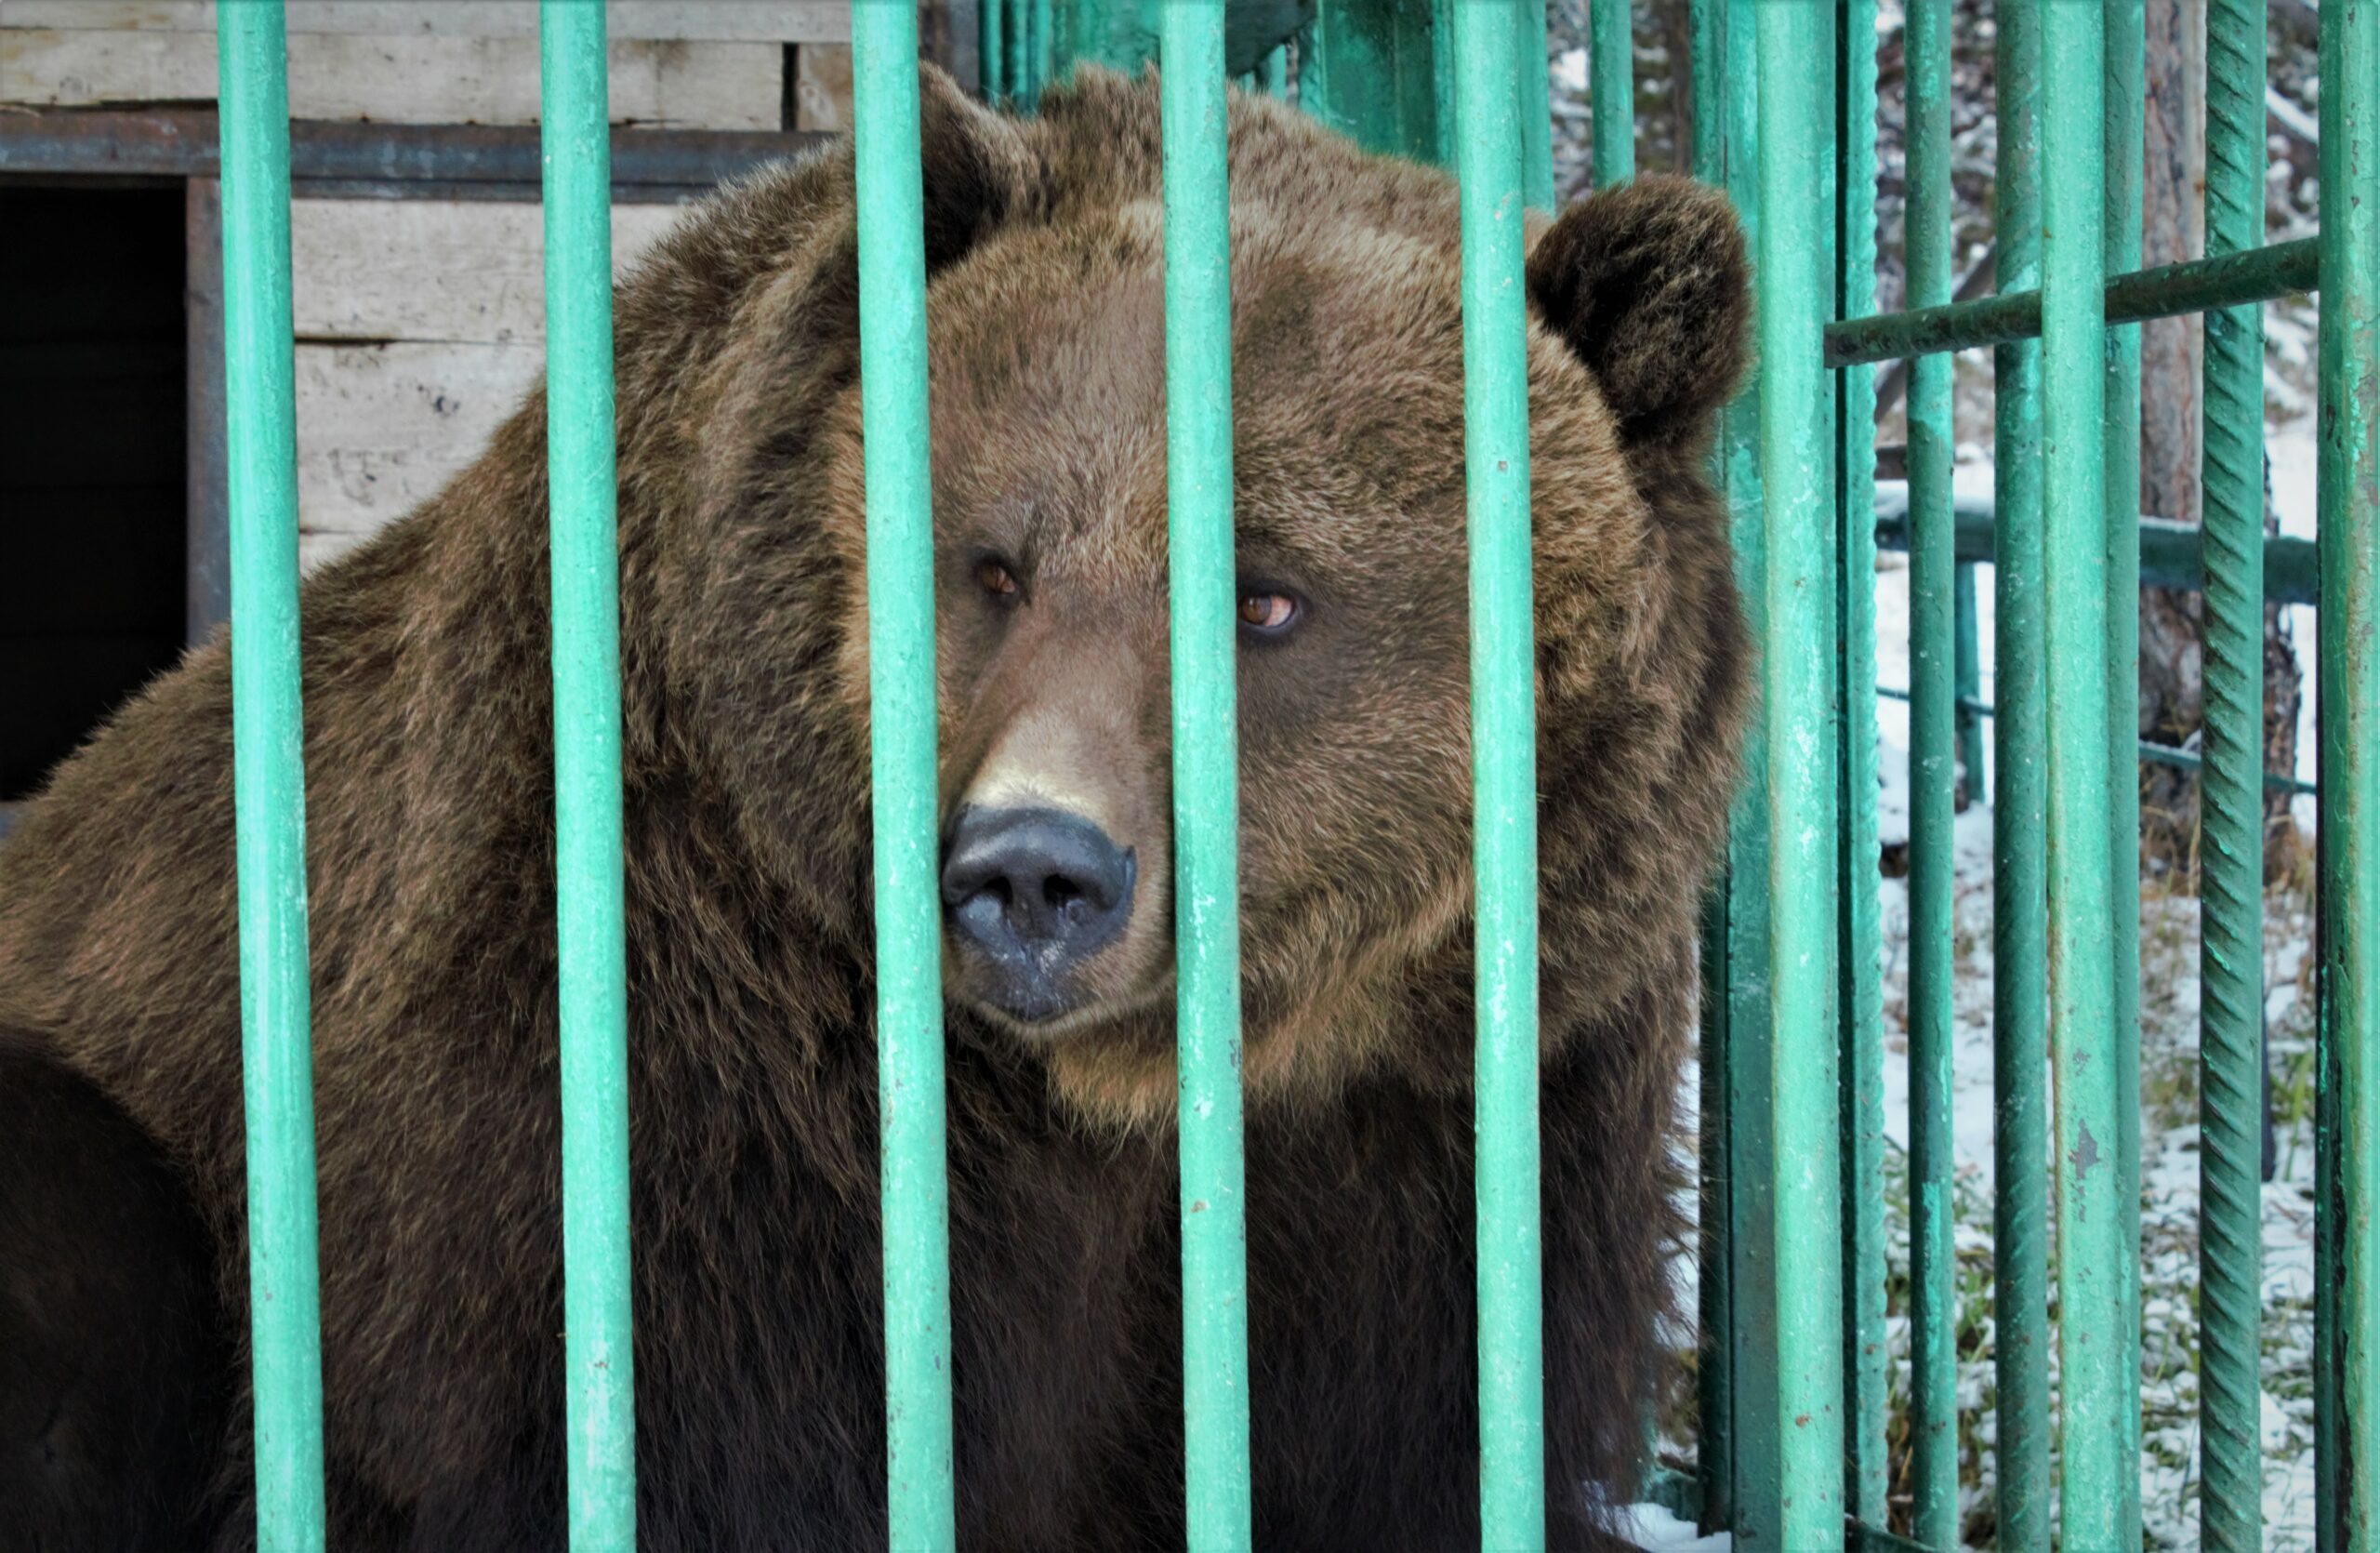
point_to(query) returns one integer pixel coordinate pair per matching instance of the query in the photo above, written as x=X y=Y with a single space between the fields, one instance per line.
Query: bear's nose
x=1038 y=891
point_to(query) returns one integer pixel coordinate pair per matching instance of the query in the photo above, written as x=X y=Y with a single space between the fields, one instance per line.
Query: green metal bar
x=2231 y=817
x=1276 y=74
x=1611 y=91
x=1934 y=1406
x=1866 y=1391
x=1757 y=1441
x=1018 y=76
x=2019 y=827
x=599 y=1350
x=1968 y=663
x=993 y=52
x=2170 y=552
x=1537 y=107
x=1495 y=323
x=2168 y=291
x=269 y=782
x=1717 y=1246
x=2348 y=1147
x=1206 y=774
x=2125 y=138
x=2091 y=1264
x=910 y=1099
x=1796 y=158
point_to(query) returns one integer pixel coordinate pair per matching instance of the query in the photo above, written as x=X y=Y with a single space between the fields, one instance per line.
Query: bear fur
x=753 y=1134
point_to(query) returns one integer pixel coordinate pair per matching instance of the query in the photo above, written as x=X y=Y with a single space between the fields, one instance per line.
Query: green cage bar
x=901 y=748
x=1206 y=774
x=2348 y=1143
x=270 y=779
x=590 y=917
x=2124 y=139
x=2019 y=826
x=1933 y=783
x=1797 y=447
x=1611 y=90
x=1503 y=732
x=2100 y=1476
x=2231 y=813
x=992 y=50
x=1967 y=675
x=1867 y=1394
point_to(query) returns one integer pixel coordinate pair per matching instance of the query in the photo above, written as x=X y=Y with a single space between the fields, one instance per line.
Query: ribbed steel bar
x=1504 y=722
x=2347 y=1330
x=2125 y=138
x=1755 y=1442
x=1867 y=1349
x=276 y=1054
x=2019 y=826
x=2231 y=798
x=1797 y=455
x=1536 y=87
x=2168 y=291
x=1932 y=778
x=599 y=1389
x=1206 y=774
x=2090 y=1262
x=1718 y=1244
x=1611 y=91
x=914 y=1184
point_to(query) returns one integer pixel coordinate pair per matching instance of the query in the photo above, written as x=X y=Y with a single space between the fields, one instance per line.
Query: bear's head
x=1047 y=349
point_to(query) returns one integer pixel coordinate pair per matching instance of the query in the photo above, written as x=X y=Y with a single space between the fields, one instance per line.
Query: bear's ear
x=979 y=172
x=1649 y=284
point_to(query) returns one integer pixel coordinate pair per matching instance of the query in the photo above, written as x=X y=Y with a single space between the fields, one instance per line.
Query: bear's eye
x=1268 y=614
x=995 y=579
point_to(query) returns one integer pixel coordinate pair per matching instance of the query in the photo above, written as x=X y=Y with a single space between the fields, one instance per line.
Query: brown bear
x=430 y=805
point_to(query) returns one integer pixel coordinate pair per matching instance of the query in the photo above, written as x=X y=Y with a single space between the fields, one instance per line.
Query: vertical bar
x=270 y=780
x=2348 y=1150
x=1016 y=73
x=1611 y=91
x=1933 y=780
x=2019 y=829
x=2091 y=1265
x=598 y=1353
x=901 y=738
x=1867 y=1398
x=2231 y=799
x=995 y=51
x=1276 y=74
x=1967 y=681
x=208 y=521
x=1503 y=724
x=1714 y=1371
x=1537 y=107
x=1205 y=772
x=1796 y=47
x=1754 y=1442
x=2125 y=143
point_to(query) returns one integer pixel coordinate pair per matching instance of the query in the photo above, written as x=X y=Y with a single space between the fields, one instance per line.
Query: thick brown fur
x=753 y=1111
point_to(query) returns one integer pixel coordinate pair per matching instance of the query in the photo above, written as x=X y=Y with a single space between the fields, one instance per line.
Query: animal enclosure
x=1793 y=1389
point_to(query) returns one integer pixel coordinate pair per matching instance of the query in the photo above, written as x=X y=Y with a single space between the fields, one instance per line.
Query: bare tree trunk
x=2172 y=355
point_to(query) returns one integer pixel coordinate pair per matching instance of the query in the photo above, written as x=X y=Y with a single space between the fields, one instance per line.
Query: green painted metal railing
x=592 y=922
x=269 y=772
x=1794 y=1383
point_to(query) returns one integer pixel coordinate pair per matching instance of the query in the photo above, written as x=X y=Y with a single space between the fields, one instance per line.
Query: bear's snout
x=1035 y=892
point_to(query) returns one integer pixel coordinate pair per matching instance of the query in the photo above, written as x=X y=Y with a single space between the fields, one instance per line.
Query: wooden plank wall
x=420 y=323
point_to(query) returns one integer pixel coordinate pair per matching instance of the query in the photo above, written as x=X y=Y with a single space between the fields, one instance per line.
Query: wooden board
x=822 y=87
x=469 y=271
x=695 y=21
x=415 y=79
x=382 y=428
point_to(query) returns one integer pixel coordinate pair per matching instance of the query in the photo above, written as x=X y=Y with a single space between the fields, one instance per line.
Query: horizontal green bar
x=2158 y=754
x=2168 y=291
x=2169 y=550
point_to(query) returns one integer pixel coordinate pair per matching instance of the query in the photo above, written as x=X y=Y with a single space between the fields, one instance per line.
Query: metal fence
x=1793 y=1388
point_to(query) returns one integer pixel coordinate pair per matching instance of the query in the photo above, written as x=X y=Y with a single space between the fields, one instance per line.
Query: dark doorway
x=92 y=479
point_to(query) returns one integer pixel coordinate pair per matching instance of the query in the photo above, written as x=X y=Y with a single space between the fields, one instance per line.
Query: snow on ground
x=2169 y=950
